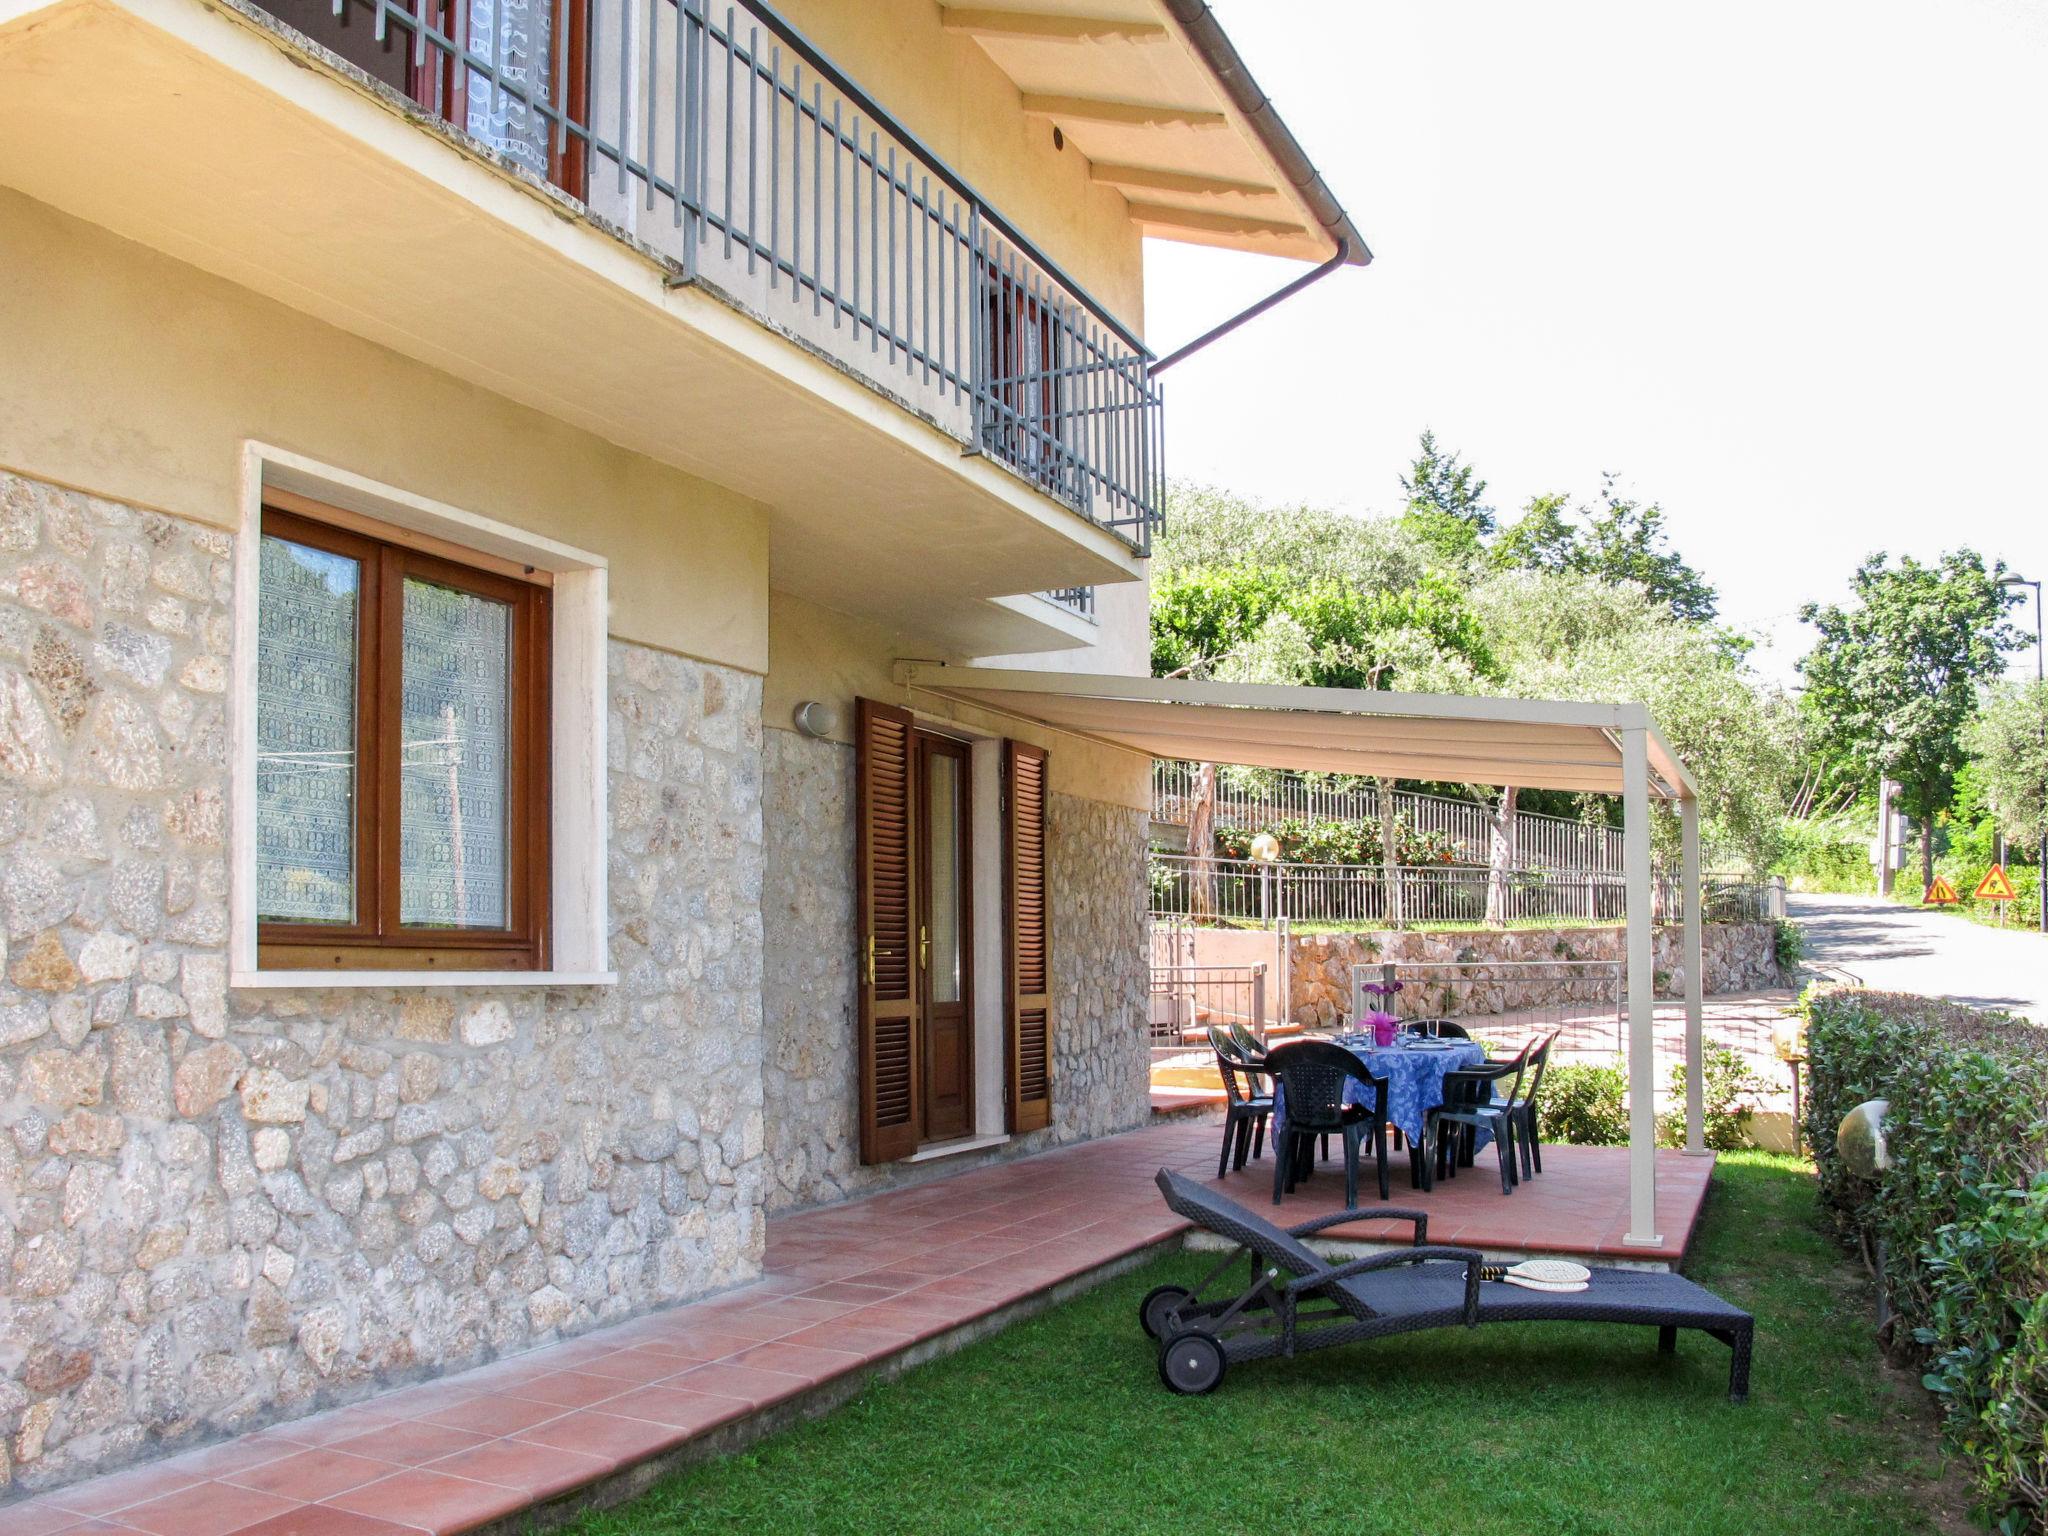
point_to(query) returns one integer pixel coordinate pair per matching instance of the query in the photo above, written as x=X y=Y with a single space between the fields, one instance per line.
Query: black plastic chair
x=1468 y=1106
x=1313 y=1074
x=1521 y=1108
x=1248 y=1103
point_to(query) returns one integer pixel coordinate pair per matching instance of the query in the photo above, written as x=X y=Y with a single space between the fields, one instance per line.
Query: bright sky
x=1783 y=264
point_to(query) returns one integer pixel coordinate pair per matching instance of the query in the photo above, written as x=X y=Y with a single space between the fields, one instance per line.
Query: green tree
x=2008 y=742
x=1543 y=538
x=1570 y=635
x=1619 y=539
x=1201 y=616
x=1892 y=681
x=1446 y=505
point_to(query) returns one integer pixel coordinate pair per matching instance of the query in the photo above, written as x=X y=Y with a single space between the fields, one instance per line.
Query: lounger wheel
x=1158 y=1306
x=1192 y=1363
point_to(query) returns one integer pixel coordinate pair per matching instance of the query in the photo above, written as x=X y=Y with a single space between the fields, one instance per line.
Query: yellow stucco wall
x=949 y=93
x=814 y=653
x=133 y=376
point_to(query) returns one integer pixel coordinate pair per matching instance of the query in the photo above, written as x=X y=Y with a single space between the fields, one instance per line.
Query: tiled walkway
x=846 y=1288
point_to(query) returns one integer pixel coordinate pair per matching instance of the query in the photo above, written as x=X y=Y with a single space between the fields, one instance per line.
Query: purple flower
x=1380 y=988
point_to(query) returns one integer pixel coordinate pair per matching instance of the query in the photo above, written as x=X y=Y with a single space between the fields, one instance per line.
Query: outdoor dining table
x=1414 y=1068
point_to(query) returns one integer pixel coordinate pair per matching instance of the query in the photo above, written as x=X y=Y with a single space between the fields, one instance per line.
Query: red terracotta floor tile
x=808 y=1361
x=412 y=1442
x=859 y=1292
x=325 y=1520
x=638 y=1366
x=431 y=1501
x=540 y=1470
x=694 y=1411
x=571 y=1389
x=204 y=1509
x=118 y=1490
x=311 y=1475
x=789 y=1313
x=39 y=1517
x=489 y=1417
x=232 y=1456
x=724 y=1379
x=340 y=1423
x=611 y=1438
x=870 y=1342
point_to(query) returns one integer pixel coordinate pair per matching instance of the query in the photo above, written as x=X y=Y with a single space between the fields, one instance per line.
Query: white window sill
x=257 y=981
x=955 y=1148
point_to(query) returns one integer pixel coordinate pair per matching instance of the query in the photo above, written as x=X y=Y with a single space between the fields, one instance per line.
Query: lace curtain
x=517 y=37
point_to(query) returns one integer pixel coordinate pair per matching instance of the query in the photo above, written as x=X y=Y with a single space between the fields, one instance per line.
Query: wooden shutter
x=885 y=858
x=1028 y=946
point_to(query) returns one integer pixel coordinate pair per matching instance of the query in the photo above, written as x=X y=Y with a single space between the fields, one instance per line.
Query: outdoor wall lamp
x=815 y=719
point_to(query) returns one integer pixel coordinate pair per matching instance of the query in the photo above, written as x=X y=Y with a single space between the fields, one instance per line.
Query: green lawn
x=1060 y=1425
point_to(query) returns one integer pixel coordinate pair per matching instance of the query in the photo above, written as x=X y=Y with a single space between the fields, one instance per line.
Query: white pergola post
x=1693 y=893
x=1642 y=991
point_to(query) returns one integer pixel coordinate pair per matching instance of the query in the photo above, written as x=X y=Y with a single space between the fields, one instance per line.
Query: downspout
x=1279 y=296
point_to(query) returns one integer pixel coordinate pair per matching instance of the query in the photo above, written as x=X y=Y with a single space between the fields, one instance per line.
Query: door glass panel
x=456 y=712
x=947 y=872
x=306 y=617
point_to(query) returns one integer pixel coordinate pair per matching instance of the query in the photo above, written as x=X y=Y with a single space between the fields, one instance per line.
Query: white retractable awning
x=1530 y=743
x=1613 y=749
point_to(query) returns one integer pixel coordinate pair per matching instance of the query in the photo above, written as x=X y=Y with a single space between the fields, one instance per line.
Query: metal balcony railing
x=1076 y=600
x=721 y=141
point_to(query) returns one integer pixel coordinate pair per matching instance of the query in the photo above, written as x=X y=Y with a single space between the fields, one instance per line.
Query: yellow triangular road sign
x=1995 y=886
x=1940 y=894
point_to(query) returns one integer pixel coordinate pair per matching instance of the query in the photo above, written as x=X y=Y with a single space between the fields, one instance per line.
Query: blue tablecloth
x=1415 y=1079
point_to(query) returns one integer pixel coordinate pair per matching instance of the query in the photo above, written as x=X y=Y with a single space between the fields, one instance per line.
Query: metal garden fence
x=1541 y=842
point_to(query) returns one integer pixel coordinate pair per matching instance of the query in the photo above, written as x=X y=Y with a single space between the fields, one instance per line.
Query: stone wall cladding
x=808 y=1003
x=1100 y=960
x=225 y=1208
x=1101 y=964
x=1740 y=957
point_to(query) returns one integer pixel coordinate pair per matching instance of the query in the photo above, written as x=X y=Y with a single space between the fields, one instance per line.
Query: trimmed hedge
x=1963 y=1214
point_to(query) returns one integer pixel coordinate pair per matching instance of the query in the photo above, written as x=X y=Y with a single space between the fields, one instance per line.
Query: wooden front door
x=945 y=949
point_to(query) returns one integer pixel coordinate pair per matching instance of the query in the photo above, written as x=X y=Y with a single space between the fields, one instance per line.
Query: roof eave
x=1205 y=35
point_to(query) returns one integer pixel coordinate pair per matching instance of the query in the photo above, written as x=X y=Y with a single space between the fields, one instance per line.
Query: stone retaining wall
x=1740 y=957
x=221 y=1208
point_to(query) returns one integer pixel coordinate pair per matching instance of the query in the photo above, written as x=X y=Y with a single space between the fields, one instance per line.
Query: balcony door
x=916 y=868
x=945 y=912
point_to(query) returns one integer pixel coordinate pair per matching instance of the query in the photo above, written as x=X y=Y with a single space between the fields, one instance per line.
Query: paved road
x=1904 y=949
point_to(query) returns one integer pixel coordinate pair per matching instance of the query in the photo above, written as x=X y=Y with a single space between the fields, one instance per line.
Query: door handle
x=871 y=959
x=924 y=949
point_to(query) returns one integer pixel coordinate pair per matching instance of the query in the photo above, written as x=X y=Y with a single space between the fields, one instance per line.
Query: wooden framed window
x=402 y=752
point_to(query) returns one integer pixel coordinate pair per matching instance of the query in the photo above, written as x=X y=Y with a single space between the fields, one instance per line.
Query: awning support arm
x=1280 y=296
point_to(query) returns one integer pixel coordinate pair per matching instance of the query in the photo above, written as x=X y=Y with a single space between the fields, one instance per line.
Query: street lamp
x=2040 y=672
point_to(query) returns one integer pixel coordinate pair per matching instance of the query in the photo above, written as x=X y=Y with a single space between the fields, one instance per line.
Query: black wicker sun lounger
x=1297 y=1300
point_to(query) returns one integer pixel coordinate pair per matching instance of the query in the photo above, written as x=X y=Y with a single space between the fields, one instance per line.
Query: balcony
x=680 y=228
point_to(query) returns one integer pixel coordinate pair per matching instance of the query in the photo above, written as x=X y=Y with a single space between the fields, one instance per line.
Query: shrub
x=1728 y=1090
x=1962 y=1213
x=1827 y=853
x=1585 y=1105
x=1340 y=842
x=1790 y=944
